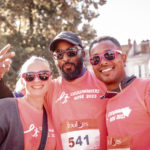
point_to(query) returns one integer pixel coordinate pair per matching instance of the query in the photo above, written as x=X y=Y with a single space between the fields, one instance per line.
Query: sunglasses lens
x=109 y=55
x=44 y=75
x=29 y=76
x=58 y=55
x=72 y=53
x=95 y=60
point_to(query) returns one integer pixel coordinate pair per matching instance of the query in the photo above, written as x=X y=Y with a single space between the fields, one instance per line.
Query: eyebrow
x=68 y=49
x=109 y=50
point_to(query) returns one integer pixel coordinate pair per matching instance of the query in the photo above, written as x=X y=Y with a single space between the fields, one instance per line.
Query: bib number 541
x=79 y=140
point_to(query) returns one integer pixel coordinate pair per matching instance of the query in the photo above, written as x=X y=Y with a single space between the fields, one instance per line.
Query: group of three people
x=79 y=105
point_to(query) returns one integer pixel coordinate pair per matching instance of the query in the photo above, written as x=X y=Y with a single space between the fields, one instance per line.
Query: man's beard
x=73 y=75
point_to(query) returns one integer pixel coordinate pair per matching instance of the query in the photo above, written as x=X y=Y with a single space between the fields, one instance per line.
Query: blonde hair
x=19 y=85
x=30 y=61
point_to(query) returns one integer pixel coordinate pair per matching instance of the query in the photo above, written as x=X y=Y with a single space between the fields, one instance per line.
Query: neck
x=82 y=72
x=36 y=102
x=111 y=87
x=115 y=85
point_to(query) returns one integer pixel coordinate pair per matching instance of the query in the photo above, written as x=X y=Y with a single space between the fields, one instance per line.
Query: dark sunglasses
x=71 y=52
x=109 y=55
x=42 y=75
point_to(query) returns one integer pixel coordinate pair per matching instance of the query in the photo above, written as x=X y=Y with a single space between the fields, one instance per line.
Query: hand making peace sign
x=5 y=60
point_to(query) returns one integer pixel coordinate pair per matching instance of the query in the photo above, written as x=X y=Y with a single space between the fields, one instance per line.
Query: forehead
x=102 y=47
x=37 y=66
x=63 y=45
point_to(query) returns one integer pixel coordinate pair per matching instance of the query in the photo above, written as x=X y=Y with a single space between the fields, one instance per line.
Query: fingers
x=4 y=55
x=5 y=61
x=5 y=49
x=7 y=56
x=4 y=69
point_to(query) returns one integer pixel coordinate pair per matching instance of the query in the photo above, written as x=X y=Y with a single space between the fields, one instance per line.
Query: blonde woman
x=24 y=122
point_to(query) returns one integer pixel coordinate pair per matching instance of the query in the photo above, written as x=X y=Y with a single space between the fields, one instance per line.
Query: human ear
x=83 y=53
x=124 y=58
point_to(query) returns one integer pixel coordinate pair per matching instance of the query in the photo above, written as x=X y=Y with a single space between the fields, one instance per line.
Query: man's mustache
x=68 y=63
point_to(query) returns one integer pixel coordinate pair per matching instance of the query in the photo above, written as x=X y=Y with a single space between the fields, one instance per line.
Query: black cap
x=66 y=36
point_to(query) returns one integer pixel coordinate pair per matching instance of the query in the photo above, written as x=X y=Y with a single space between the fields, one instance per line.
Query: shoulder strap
x=44 y=131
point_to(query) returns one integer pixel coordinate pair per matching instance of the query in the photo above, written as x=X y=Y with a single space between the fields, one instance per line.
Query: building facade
x=138 y=58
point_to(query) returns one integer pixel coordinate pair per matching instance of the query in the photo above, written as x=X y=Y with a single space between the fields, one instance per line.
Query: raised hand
x=5 y=60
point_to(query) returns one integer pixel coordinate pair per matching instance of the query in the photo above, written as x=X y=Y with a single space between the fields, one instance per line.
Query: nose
x=65 y=57
x=103 y=60
x=36 y=79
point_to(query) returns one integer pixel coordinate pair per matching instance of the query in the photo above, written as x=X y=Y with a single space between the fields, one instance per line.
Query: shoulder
x=8 y=109
x=141 y=84
x=8 y=103
x=8 y=100
x=56 y=81
x=142 y=81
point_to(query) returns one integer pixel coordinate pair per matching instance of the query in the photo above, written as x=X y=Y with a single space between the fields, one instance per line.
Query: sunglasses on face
x=71 y=52
x=42 y=75
x=109 y=55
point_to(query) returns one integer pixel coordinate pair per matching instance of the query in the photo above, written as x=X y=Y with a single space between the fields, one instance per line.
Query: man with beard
x=128 y=107
x=77 y=112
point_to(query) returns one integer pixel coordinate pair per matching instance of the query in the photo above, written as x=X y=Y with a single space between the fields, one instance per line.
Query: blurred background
x=30 y=25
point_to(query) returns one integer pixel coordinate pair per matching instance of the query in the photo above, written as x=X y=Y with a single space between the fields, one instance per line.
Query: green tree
x=30 y=25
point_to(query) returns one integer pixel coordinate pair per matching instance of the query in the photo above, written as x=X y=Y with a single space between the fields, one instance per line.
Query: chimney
x=129 y=44
x=134 y=47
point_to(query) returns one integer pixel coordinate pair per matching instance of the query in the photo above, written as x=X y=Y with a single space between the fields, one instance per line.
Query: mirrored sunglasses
x=42 y=75
x=71 y=52
x=109 y=56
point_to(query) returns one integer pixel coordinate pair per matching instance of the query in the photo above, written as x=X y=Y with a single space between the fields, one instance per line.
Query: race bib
x=80 y=135
x=118 y=143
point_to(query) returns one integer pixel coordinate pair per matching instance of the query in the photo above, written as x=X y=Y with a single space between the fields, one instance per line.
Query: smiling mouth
x=67 y=66
x=37 y=87
x=107 y=69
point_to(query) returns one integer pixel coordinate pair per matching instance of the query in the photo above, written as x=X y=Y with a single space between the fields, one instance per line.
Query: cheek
x=47 y=85
x=97 y=73
x=120 y=65
x=94 y=69
x=27 y=88
x=119 y=71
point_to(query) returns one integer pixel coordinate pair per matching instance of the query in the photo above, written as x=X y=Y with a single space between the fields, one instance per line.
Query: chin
x=107 y=80
x=40 y=93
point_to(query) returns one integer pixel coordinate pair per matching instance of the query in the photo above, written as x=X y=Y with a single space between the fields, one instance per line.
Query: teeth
x=108 y=69
x=37 y=87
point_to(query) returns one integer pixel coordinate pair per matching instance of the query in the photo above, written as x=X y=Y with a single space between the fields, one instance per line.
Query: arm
x=3 y=122
x=5 y=63
x=4 y=90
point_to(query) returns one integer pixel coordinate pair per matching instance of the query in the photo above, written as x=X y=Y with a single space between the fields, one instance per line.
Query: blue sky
x=124 y=19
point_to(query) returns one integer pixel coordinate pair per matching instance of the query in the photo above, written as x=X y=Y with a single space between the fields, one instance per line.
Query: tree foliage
x=30 y=25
